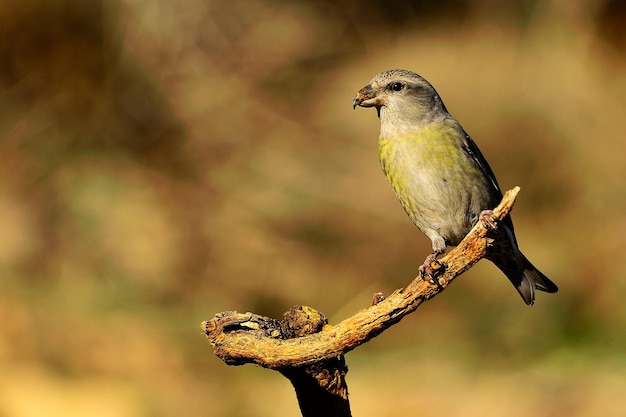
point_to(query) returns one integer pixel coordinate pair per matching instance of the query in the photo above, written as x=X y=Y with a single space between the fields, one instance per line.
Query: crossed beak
x=366 y=97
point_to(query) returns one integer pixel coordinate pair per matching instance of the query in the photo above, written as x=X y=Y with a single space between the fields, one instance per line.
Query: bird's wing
x=471 y=149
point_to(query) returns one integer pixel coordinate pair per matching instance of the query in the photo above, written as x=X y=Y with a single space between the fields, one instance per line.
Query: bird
x=441 y=178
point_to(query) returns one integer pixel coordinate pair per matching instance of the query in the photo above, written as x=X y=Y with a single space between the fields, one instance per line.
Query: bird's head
x=402 y=93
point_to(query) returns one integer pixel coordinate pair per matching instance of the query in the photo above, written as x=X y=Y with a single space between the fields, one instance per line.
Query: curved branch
x=248 y=338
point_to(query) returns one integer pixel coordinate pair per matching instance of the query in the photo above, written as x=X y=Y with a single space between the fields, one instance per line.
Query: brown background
x=163 y=161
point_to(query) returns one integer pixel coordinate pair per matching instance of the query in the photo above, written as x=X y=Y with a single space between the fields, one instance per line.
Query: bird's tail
x=526 y=278
x=523 y=275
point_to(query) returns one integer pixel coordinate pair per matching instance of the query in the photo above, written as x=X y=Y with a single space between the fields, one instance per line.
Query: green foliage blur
x=161 y=162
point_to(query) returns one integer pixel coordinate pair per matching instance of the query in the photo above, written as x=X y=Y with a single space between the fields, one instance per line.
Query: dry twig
x=309 y=352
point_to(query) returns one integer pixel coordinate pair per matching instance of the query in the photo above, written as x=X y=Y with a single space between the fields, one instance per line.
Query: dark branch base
x=309 y=352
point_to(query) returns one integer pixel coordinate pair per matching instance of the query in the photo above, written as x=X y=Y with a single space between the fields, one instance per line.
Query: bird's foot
x=487 y=219
x=427 y=270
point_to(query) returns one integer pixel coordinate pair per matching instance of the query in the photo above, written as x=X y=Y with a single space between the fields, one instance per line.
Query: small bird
x=439 y=175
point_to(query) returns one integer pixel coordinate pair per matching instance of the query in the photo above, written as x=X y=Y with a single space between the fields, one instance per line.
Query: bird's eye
x=397 y=86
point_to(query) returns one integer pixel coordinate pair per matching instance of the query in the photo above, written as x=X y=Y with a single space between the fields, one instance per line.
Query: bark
x=309 y=351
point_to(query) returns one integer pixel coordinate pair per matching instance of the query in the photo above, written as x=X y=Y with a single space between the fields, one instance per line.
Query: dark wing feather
x=471 y=149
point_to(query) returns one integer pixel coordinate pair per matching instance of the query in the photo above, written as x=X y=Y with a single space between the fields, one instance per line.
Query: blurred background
x=163 y=161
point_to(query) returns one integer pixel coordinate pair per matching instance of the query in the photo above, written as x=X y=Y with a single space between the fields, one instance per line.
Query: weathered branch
x=303 y=346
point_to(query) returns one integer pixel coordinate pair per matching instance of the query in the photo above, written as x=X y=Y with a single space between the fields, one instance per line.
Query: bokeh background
x=164 y=161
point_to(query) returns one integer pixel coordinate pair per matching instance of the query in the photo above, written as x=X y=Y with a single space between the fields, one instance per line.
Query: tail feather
x=527 y=280
x=541 y=281
x=523 y=275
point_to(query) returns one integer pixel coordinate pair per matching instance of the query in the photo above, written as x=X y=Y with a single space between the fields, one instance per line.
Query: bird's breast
x=440 y=188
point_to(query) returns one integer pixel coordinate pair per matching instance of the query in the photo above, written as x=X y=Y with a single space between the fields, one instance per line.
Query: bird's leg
x=426 y=269
x=486 y=218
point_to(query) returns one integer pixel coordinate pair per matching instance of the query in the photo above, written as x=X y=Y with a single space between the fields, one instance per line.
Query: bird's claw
x=486 y=218
x=427 y=270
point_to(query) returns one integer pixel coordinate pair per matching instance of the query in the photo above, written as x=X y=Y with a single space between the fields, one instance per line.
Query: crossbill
x=439 y=175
